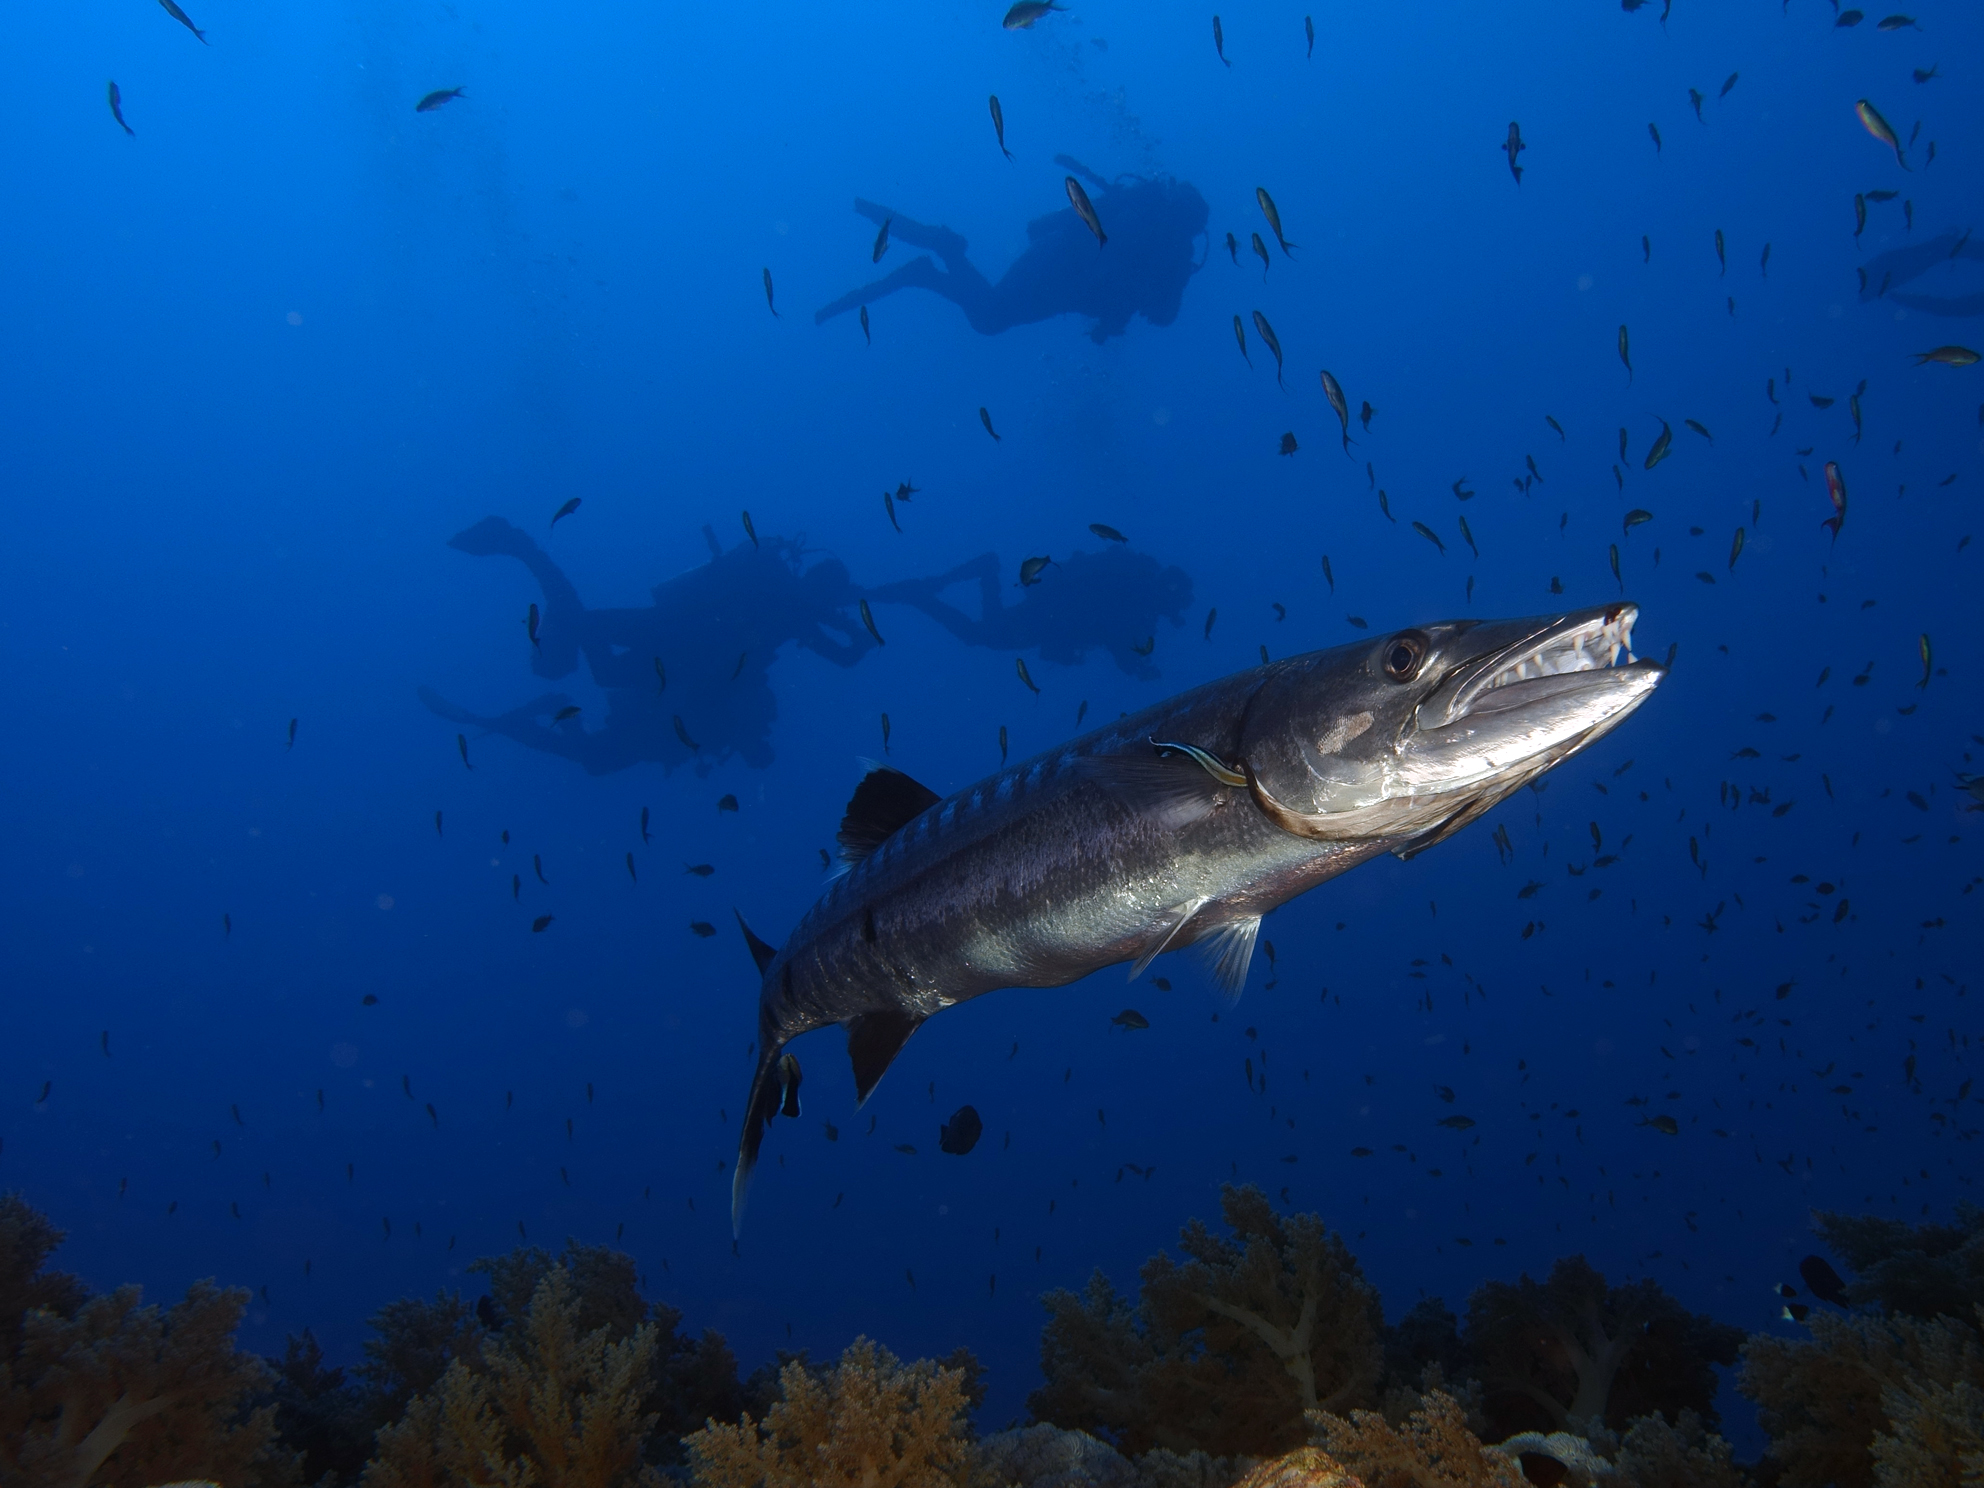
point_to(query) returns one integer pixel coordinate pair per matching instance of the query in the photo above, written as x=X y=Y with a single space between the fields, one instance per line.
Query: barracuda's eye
x=1403 y=656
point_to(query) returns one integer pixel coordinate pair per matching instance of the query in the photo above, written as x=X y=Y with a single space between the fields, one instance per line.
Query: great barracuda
x=1184 y=823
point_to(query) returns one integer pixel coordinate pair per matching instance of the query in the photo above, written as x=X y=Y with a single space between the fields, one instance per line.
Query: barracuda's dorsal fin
x=873 y=1041
x=886 y=801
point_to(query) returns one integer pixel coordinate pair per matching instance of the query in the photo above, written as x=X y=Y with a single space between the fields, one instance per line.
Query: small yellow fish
x=1927 y=663
x=1870 y=118
x=1430 y=535
x=1636 y=517
x=1735 y=549
x=1949 y=356
x=1613 y=553
x=1625 y=353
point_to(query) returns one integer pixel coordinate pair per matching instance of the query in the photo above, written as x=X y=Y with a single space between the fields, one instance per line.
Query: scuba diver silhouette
x=688 y=677
x=1888 y=271
x=1142 y=269
x=1112 y=599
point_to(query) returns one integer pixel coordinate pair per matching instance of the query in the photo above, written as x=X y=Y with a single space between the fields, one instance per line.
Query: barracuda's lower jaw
x=1521 y=727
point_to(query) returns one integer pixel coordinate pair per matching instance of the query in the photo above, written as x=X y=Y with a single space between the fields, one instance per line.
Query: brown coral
x=545 y=1405
x=1433 y=1449
x=110 y=1392
x=1821 y=1400
x=1226 y=1350
x=1935 y=1439
x=1305 y=1467
x=870 y=1422
x=1680 y=1454
x=1572 y=1352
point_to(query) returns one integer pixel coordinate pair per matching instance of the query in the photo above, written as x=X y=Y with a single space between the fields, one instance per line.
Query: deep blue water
x=267 y=354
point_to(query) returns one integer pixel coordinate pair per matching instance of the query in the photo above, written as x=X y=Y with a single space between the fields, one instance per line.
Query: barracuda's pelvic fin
x=1174 y=921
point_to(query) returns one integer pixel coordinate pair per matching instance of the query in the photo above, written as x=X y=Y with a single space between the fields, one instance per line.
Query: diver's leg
x=918 y=273
x=941 y=241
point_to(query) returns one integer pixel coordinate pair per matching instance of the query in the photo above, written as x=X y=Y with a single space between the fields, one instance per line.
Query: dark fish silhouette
x=1822 y=1281
x=565 y=511
x=1026 y=12
x=1273 y=216
x=173 y=10
x=1333 y=391
x=117 y=108
x=881 y=241
x=1219 y=40
x=439 y=98
x=769 y=302
x=1186 y=822
x=1273 y=343
x=1309 y=30
x=1512 y=147
x=986 y=419
x=999 y=126
x=961 y=1133
x=1085 y=209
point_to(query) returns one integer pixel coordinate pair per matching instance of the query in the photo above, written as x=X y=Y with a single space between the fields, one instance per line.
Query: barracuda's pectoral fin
x=885 y=802
x=1172 y=790
x=1165 y=935
x=1231 y=950
x=873 y=1041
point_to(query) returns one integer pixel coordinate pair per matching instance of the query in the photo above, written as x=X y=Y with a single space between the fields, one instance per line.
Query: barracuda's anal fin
x=1172 y=790
x=760 y=952
x=1231 y=950
x=873 y=1041
x=1161 y=939
x=883 y=803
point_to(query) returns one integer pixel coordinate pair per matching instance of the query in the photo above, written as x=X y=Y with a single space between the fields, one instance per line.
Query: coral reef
x=328 y=1420
x=547 y=1404
x=1224 y=1351
x=1572 y=1353
x=107 y=1392
x=1043 y=1456
x=1303 y=1468
x=1657 y=1453
x=1921 y=1271
x=1432 y=1448
x=1825 y=1400
x=1935 y=1437
x=870 y=1422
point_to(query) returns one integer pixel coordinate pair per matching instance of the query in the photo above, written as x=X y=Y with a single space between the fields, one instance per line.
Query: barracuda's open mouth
x=1577 y=654
x=1572 y=646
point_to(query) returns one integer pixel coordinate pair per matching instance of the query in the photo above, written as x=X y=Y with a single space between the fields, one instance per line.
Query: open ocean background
x=265 y=356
